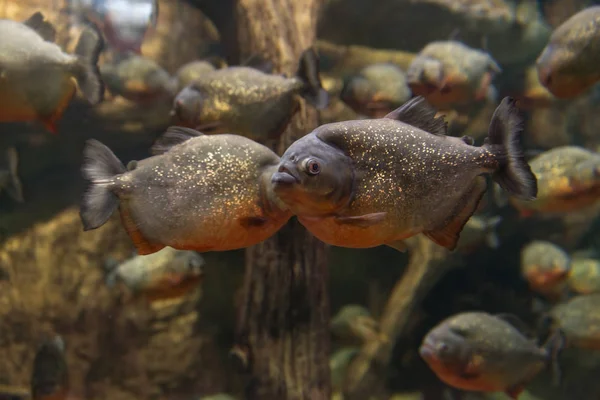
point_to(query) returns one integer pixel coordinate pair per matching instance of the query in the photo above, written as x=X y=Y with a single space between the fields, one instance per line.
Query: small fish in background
x=584 y=277
x=568 y=180
x=568 y=65
x=248 y=101
x=50 y=374
x=9 y=178
x=366 y=183
x=188 y=73
x=198 y=192
x=579 y=319
x=482 y=352
x=354 y=324
x=138 y=79
x=376 y=90
x=37 y=79
x=449 y=73
x=545 y=266
x=166 y=274
x=124 y=23
x=477 y=232
x=338 y=365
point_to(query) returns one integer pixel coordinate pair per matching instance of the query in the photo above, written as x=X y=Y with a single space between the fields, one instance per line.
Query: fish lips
x=428 y=351
x=284 y=177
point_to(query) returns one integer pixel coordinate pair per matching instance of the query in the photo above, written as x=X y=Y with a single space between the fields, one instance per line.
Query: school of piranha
x=430 y=142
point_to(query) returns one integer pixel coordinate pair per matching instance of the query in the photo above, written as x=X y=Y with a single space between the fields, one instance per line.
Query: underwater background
x=353 y=320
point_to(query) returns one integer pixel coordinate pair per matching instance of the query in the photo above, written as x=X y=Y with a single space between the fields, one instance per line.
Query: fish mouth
x=284 y=177
x=427 y=351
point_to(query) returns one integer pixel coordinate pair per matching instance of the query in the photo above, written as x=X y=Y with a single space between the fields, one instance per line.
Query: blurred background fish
x=124 y=23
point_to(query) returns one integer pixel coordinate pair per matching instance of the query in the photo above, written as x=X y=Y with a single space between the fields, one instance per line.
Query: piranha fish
x=9 y=178
x=450 y=73
x=166 y=274
x=198 y=192
x=546 y=268
x=248 y=101
x=478 y=351
x=568 y=180
x=138 y=79
x=50 y=376
x=37 y=79
x=366 y=183
x=376 y=90
x=188 y=73
x=579 y=318
x=568 y=65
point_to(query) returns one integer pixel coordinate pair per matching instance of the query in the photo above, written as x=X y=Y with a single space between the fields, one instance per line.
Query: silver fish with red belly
x=199 y=192
x=366 y=183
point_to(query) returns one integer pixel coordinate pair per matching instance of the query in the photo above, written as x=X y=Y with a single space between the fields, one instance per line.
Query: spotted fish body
x=381 y=181
x=568 y=65
x=37 y=79
x=251 y=102
x=202 y=193
x=248 y=101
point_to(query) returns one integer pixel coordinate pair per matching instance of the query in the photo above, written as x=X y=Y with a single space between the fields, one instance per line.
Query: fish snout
x=284 y=176
x=544 y=75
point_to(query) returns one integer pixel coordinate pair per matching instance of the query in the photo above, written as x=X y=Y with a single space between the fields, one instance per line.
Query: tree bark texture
x=283 y=335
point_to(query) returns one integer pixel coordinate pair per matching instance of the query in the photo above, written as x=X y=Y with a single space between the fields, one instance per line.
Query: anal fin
x=448 y=234
x=143 y=246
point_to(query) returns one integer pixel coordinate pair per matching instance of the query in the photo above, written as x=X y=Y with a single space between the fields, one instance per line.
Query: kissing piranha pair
x=361 y=183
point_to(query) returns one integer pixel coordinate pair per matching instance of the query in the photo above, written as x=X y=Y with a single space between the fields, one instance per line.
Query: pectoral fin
x=249 y=222
x=363 y=221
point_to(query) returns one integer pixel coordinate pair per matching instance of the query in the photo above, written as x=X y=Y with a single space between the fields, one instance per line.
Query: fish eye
x=312 y=166
x=442 y=348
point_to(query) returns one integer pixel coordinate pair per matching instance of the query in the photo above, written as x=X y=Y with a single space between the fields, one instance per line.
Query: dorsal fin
x=43 y=28
x=174 y=135
x=516 y=322
x=420 y=114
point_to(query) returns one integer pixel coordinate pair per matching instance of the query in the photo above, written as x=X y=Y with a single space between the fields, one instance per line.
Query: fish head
x=187 y=106
x=447 y=350
x=558 y=72
x=314 y=178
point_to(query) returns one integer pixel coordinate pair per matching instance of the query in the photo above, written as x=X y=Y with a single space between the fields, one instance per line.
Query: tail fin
x=14 y=187
x=88 y=49
x=308 y=72
x=100 y=166
x=504 y=134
